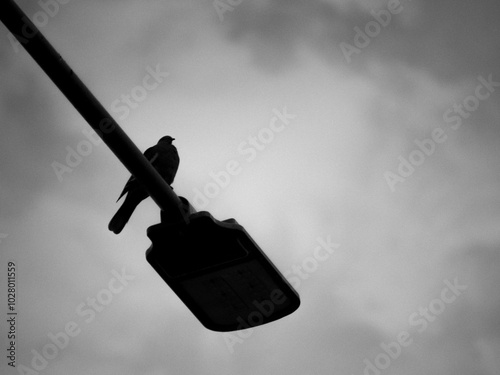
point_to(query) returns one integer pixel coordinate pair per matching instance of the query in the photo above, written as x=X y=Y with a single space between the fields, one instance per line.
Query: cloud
x=323 y=176
x=422 y=35
x=30 y=131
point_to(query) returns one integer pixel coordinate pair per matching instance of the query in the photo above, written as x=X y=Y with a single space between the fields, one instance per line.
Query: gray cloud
x=447 y=38
x=395 y=248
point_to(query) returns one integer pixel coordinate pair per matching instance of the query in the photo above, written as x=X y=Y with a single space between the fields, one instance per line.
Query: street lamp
x=215 y=267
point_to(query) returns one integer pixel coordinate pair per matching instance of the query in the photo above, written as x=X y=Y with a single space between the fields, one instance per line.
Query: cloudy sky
x=390 y=151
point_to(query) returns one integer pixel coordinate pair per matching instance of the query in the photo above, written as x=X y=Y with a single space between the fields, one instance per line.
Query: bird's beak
x=173 y=139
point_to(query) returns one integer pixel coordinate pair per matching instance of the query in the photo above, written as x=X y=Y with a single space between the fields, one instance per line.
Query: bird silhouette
x=165 y=159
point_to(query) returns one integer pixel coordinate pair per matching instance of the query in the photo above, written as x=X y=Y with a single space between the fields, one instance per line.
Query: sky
x=388 y=150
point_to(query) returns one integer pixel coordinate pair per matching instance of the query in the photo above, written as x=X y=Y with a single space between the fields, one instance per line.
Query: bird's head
x=167 y=139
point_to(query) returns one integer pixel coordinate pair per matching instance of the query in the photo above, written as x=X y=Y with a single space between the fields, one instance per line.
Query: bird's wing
x=151 y=154
x=127 y=187
x=152 y=160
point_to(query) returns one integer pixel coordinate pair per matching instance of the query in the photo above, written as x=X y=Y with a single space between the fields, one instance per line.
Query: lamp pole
x=90 y=108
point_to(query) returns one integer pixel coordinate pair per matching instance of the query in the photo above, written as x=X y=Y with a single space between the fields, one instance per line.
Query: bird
x=165 y=159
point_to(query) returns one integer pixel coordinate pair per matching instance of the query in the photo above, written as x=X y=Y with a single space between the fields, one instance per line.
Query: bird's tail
x=122 y=216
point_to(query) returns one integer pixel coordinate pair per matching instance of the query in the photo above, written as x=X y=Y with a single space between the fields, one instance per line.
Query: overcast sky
x=389 y=150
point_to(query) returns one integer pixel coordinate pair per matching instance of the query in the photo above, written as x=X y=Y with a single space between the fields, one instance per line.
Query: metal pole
x=90 y=108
